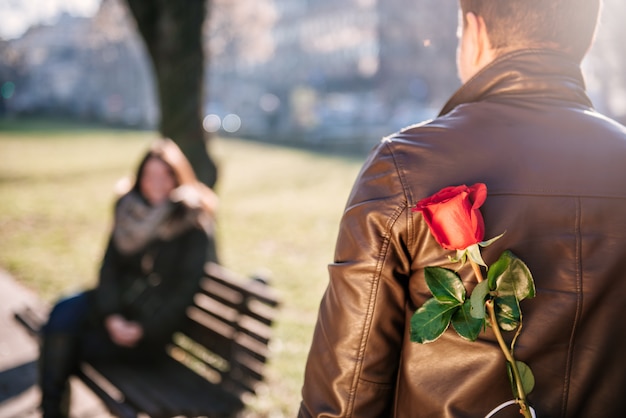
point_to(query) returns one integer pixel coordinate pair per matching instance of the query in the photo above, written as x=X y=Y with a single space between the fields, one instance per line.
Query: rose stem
x=503 y=347
x=477 y=272
x=509 y=357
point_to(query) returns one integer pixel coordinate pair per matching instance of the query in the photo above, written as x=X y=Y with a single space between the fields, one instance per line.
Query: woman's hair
x=565 y=25
x=167 y=151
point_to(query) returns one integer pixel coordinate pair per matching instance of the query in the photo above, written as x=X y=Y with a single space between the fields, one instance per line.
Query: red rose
x=453 y=215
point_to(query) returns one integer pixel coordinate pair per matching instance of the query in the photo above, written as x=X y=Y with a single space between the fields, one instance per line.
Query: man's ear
x=482 y=53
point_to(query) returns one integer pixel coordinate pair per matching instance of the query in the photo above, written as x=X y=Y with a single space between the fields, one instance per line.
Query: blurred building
x=343 y=71
x=93 y=69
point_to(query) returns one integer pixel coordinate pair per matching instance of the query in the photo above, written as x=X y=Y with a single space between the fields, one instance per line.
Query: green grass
x=279 y=213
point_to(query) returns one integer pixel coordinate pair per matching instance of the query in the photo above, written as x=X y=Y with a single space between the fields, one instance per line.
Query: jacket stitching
x=579 y=297
x=367 y=325
x=407 y=194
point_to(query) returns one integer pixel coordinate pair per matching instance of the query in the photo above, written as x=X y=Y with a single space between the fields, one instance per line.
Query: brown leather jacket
x=556 y=176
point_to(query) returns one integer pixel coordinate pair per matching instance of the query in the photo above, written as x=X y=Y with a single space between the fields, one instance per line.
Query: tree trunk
x=172 y=31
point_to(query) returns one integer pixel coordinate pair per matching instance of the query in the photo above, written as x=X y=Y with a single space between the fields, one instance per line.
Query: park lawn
x=279 y=213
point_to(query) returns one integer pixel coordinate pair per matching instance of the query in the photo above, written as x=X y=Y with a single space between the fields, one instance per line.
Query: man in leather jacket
x=555 y=170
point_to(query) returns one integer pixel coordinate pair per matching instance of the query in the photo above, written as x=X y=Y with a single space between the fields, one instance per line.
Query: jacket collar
x=532 y=73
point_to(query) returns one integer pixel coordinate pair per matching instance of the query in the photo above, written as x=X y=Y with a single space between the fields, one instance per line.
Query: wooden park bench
x=214 y=361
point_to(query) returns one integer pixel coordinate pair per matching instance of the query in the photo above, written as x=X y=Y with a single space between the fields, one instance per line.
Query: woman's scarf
x=137 y=223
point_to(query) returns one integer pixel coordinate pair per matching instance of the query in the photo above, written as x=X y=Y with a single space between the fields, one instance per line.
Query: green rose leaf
x=465 y=324
x=508 y=312
x=496 y=270
x=431 y=320
x=526 y=376
x=445 y=285
x=479 y=294
x=509 y=276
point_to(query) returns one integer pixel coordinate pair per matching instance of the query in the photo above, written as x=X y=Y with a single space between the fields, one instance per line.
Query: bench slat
x=251 y=305
x=260 y=290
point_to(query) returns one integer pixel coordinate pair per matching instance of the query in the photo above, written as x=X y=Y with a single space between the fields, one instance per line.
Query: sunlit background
x=321 y=73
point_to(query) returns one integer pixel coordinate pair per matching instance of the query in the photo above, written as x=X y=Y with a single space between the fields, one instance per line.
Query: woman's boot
x=57 y=362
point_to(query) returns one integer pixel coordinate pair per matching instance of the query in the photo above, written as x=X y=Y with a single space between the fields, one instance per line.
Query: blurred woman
x=161 y=239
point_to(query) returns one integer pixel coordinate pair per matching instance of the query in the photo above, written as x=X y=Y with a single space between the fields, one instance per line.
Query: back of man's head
x=564 y=25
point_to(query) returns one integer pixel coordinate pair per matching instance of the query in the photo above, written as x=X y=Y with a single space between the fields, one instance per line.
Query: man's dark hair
x=564 y=25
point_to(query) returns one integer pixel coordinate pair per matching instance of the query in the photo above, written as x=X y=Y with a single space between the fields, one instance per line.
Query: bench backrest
x=228 y=330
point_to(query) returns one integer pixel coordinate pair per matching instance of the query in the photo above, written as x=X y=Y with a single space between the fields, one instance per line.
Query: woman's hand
x=123 y=332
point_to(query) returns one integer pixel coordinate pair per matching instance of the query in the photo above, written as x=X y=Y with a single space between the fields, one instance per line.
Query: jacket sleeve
x=352 y=365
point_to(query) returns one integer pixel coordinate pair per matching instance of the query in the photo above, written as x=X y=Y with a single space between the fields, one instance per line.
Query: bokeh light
x=7 y=90
x=231 y=123
x=211 y=123
x=269 y=102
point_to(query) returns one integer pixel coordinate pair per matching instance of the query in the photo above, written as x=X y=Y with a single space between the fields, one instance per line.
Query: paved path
x=19 y=394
